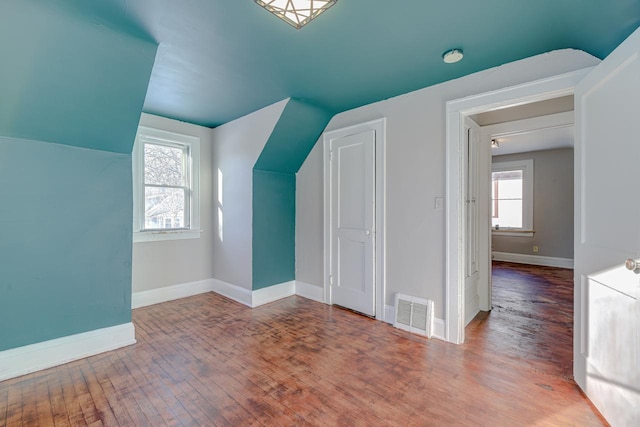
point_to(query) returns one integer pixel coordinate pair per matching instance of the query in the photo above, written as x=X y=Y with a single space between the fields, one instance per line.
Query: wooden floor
x=206 y=360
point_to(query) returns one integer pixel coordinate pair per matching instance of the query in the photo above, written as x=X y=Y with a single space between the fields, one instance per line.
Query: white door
x=352 y=189
x=607 y=231
x=471 y=232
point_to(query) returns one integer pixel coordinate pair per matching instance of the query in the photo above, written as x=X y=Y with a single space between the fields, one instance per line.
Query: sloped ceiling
x=221 y=59
x=293 y=137
x=70 y=78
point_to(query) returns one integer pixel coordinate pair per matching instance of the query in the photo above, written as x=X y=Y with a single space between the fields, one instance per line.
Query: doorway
x=526 y=181
x=457 y=111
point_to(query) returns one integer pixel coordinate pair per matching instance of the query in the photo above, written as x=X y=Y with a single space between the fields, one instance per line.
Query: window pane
x=509 y=214
x=164 y=207
x=511 y=189
x=163 y=165
x=509 y=185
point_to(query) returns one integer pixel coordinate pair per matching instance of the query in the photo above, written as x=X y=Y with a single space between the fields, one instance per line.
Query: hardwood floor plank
x=103 y=409
x=207 y=360
x=29 y=409
x=71 y=401
x=157 y=399
x=127 y=391
x=83 y=396
x=173 y=365
x=43 y=404
x=4 y=406
x=58 y=407
x=102 y=369
x=15 y=402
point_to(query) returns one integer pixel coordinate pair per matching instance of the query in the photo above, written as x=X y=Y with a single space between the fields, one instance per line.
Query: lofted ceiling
x=221 y=59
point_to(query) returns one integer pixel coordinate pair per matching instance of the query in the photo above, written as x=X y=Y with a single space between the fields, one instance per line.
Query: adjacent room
x=303 y=212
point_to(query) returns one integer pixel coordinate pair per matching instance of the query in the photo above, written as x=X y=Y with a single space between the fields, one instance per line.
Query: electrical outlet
x=535 y=248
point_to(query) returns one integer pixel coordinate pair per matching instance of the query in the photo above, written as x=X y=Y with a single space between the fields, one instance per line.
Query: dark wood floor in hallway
x=207 y=360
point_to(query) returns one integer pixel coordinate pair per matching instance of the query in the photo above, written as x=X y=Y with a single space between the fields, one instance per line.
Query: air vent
x=414 y=315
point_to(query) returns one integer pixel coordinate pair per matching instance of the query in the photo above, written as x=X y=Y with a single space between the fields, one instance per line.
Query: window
x=166 y=199
x=512 y=198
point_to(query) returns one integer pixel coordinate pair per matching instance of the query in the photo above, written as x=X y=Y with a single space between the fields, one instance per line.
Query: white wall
x=164 y=263
x=415 y=175
x=552 y=206
x=310 y=219
x=236 y=147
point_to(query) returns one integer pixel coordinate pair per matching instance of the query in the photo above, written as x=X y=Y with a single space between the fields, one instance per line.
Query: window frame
x=526 y=166
x=162 y=137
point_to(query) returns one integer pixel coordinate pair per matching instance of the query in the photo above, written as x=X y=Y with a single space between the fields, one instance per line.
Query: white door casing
x=484 y=220
x=471 y=234
x=607 y=230
x=354 y=217
x=457 y=110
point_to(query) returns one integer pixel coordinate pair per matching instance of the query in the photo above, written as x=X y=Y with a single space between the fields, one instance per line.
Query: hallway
x=532 y=318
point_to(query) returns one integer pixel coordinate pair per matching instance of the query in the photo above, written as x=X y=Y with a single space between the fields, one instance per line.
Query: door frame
x=456 y=111
x=379 y=126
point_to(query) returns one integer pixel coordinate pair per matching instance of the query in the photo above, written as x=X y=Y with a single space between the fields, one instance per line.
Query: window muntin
x=512 y=195
x=166 y=185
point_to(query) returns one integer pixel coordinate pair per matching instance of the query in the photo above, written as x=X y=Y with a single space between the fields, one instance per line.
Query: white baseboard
x=273 y=293
x=43 y=355
x=253 y=298
x=438 y=329
x=234 y=292
x=305 y=290
x=533 y=259
x=169 y=293
x=389 y=314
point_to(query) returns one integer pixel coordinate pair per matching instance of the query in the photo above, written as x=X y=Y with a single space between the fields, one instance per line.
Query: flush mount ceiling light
x=296 y=13
x=452 y=56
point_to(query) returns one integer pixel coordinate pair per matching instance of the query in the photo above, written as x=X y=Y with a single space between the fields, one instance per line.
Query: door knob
x=632 y=264
x=367 y=232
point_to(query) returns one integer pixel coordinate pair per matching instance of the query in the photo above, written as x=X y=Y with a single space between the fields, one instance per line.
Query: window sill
x=513 y=233
x=158 y=235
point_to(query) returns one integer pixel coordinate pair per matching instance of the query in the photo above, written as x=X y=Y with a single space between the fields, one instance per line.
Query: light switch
x=439 y=203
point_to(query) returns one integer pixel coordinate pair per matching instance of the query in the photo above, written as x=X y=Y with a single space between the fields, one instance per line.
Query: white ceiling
x=544 y=139
x=544 y=125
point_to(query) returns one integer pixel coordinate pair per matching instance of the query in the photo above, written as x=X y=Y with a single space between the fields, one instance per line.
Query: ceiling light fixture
x=495 y=143
x=452 y=56
x=296 y=13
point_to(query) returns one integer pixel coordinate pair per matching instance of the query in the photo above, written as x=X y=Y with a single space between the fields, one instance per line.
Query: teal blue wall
x=65 y=245
x=274 y=216
x=70 y=79
x=274 y=191
x=66 y=210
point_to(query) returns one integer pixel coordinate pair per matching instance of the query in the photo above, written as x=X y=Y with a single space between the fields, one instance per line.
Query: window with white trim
x=512 y=197
x=166 y=194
